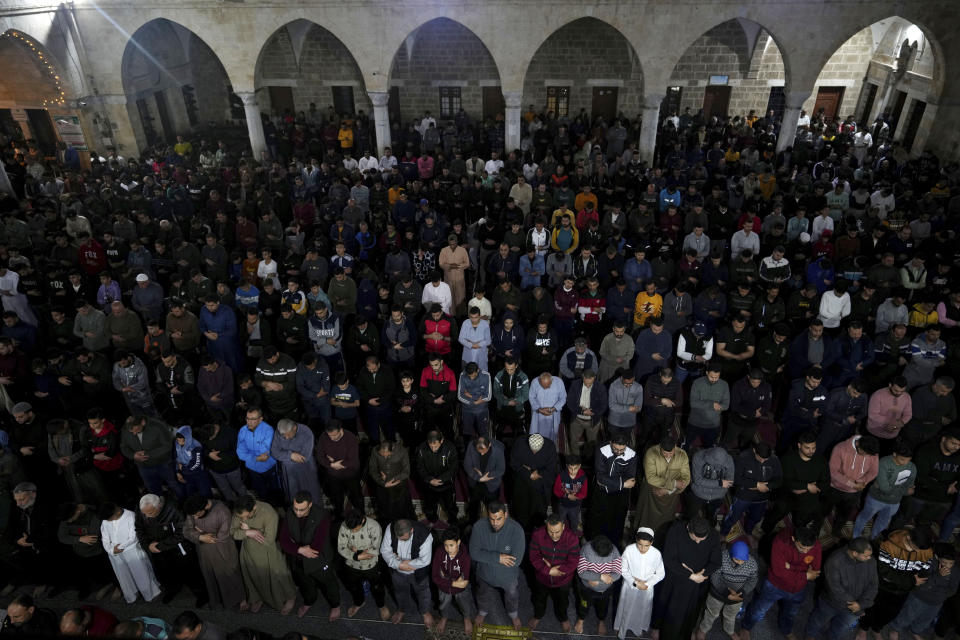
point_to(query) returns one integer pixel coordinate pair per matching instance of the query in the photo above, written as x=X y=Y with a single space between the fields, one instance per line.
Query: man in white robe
x=547 y=397
x=13 y=300
x=130 y=563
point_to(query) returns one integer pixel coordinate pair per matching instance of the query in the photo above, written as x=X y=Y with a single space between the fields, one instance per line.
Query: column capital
x=795 y=99
x=249 y=98
x=379 y=98
x=651 y=101
x=512 y=99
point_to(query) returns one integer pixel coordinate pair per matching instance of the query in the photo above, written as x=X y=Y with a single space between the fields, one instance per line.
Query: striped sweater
x=591 y=565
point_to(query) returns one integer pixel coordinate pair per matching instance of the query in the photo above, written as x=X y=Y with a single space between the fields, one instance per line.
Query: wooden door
x=716 y=101
x=913 y=123
x=828 y=99
x=493 y=103
x=281 y=100
x=604 y=103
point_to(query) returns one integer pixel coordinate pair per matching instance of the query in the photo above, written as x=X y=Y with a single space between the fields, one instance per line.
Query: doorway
x=166 y=128
x=671 y=103
x=43 y=133
x=828 y=100
x=604 y=103
x=281 y=100
x=716 y=101
x=393 y=106
x=897 y=111
x=776 y=102
x=493 y=103
x=913 y=123
x=867 y=99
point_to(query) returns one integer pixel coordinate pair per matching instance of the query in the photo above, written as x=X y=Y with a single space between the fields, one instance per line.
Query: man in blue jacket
x=497 y=545
x=253 y=448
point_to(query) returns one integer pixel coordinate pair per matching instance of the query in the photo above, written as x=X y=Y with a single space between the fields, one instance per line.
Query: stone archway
x=174 y=83
x=588 y=66
x=892 y=70
x=28 y=95
x=441 y=67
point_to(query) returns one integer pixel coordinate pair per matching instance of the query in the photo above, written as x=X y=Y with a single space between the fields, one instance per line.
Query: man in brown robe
x=207 y=525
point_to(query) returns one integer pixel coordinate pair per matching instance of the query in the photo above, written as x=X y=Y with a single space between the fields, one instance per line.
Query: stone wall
x=584 y=54
x=442 y=52
x=30 y=85
x=720 y=51
x=847 y=68
x=210 y=83
x=324 y=63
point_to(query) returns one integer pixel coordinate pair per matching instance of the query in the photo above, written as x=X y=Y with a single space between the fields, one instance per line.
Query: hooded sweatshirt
x=703 y=394
x=591 y=565
x=709 y=469
x=848 y=466
x=893 y=480
x=486 y=545
x=897 y=565
x=190 y=453
x=321 y=330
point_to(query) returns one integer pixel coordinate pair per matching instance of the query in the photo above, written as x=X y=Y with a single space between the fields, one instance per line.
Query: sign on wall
x=68 y=127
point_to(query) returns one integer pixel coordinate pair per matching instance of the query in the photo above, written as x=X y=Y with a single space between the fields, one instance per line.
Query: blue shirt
x=344 y=395
x=251 y=444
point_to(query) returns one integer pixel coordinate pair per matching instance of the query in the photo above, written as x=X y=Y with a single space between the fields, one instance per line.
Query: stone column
x=513 y=119
x=20 y=117
x=904 y=120
x=113 y=121
x=650 y=122
x=791 y=116
x=381 y=118
x=258 y=141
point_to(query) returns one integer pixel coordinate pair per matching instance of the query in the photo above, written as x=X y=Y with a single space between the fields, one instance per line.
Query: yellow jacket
x=646 y=307
x=662 y=474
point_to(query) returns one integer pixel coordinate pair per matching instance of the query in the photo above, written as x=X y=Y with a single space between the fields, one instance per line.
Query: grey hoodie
x=703 y=394
x=478 y=387
x=486 y=545
x=619 y=399
x=710 y=467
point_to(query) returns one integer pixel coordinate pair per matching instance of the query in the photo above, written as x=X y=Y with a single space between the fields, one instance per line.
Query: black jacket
x=166 y=529
x=443 y=464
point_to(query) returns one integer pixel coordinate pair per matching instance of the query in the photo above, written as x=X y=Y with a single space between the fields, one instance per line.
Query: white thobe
x=131 y=566
x=440 y=294
x=636 y=606
x=15 y=301
x=556 y=397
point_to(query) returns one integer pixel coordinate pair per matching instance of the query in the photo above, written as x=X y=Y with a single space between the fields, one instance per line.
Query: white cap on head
x=143 y=278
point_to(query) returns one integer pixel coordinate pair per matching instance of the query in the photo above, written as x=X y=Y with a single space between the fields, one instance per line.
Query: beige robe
x=454 y=263
x=652 y=510
x=265 y=571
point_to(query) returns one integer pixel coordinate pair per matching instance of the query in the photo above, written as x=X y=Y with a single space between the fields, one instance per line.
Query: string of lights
x=46 y=64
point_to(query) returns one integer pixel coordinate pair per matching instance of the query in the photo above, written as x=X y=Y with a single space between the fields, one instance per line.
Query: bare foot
x=861 y=634
x=565 y=625
x=745 y=635
x=517 y=624
x=256 y=606
x=601 y=628
x=700 y=635
x=893 y=635
x=654 y=634
x=352 y=611
x=533 y=622
x=287 y=607
x=578 y=627
x=428 y=621
x=467 y=626
x=442 y=625
x=302 y=610
x=384 y=613
x=479 y=619
x=334 y=614
x=244 y=606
